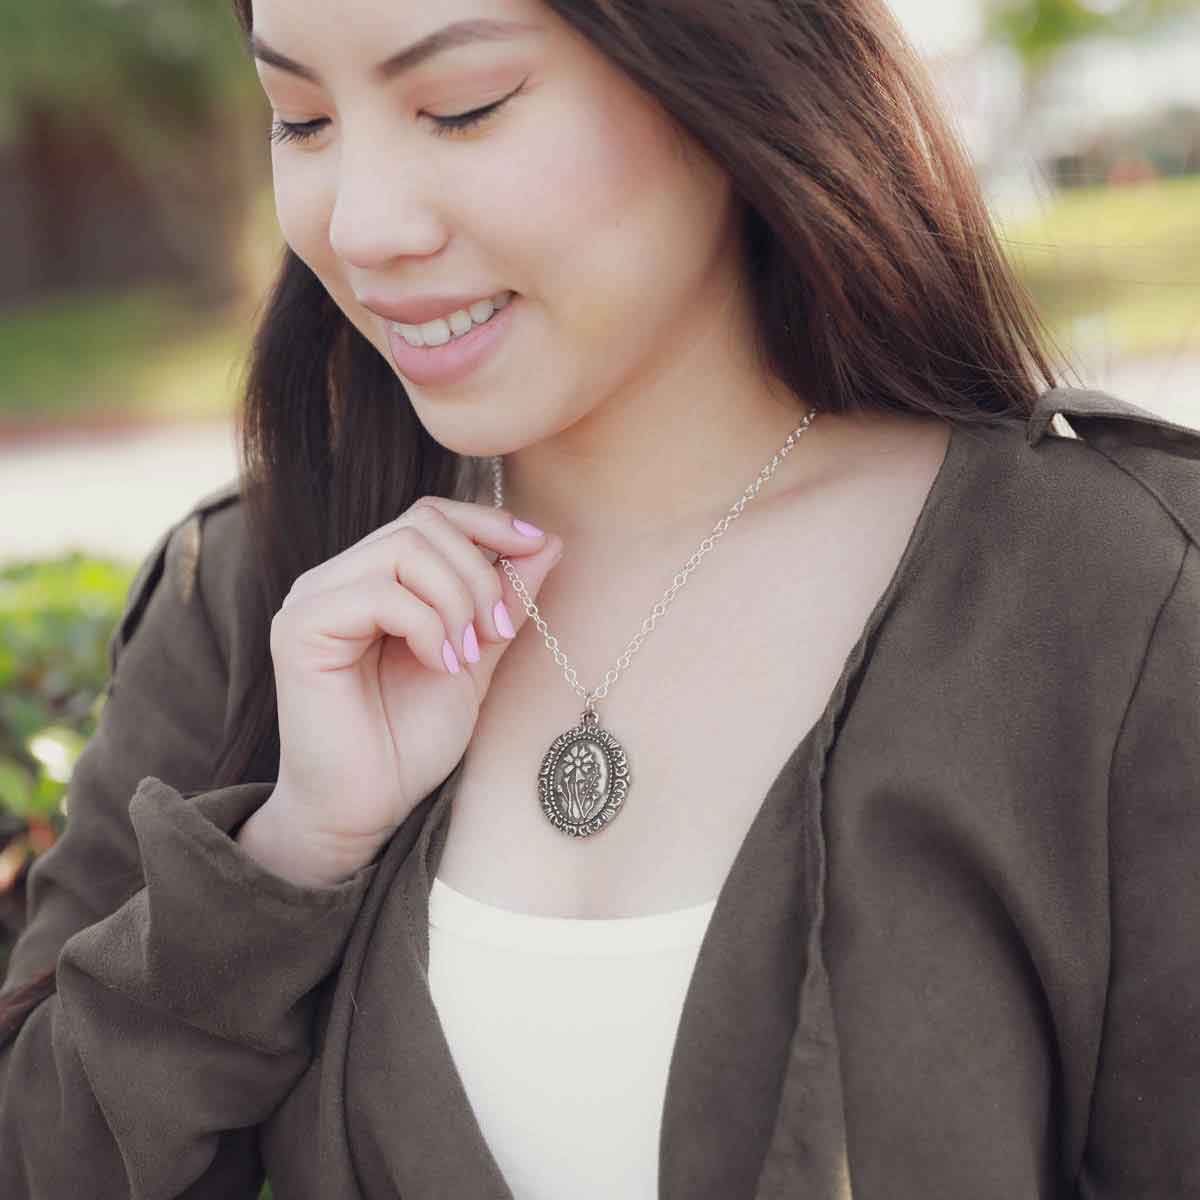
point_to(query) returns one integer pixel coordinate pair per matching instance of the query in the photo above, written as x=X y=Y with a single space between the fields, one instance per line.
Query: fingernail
x=470 y=643
x=503 y=620
x=525 y=528
x=450 y=658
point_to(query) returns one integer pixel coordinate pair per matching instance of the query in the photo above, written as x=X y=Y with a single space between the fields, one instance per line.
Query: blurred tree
x=149 y=60
x=1040 y=29
x=163 y=94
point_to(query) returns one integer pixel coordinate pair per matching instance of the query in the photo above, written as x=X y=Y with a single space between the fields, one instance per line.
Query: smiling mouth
x=454 y=326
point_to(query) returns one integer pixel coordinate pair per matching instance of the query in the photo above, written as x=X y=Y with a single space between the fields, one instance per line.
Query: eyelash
x=287 y=131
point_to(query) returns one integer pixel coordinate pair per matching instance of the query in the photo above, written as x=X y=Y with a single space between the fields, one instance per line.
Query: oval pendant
x=584 y=778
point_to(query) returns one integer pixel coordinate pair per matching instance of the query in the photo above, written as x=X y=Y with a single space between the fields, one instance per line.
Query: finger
x=410 y=558
x=474 y=568
x=331 y=630
x=488 y=527
x=457 y=545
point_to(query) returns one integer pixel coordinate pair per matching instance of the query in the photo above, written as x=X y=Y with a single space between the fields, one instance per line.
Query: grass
x=1121 y=260
x=140 y=353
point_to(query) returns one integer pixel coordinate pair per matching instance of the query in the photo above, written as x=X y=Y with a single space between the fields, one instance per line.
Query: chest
x=710 y=708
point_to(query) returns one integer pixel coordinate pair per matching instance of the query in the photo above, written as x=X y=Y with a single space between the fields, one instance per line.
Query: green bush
x=56 y=618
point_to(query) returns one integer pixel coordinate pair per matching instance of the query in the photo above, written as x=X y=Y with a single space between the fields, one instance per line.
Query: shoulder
x=191 y=564
x=1090 y=489
x=1114 y=436
x=1070 y=532
x=1135 y=476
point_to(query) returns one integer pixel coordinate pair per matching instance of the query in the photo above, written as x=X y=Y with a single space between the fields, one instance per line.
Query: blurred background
x=138 y=237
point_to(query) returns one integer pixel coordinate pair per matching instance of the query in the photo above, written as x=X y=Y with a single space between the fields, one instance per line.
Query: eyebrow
x=461 y=33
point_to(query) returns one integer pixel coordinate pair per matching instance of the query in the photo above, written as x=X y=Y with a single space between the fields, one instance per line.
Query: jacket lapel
x=755 y=1047
x=413 y=1131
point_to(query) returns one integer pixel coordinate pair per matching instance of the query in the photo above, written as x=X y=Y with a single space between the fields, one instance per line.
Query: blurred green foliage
x=55 y=621
x=56 y=618
x=150 y=66
x=1039 y=29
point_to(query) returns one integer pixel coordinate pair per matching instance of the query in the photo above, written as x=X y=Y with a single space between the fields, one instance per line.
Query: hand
x=370 y=719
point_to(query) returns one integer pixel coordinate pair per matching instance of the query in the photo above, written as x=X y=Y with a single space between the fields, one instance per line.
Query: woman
x=873 y=875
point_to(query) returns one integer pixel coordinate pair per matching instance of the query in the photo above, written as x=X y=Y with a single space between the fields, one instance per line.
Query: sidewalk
x=107 y=493
x=114 y=493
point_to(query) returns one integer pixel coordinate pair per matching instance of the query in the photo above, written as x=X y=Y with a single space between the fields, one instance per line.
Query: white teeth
x=433 y=333
x=439 y=332
x=481 y=310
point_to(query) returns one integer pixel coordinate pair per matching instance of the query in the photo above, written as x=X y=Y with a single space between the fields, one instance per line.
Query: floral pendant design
x=584 y=778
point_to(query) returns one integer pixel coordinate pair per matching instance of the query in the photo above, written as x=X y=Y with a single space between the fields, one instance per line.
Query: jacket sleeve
x=186 y=973
x=1144 y=1134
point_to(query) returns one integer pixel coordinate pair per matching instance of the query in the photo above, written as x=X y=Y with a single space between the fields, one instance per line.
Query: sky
x=940 y=26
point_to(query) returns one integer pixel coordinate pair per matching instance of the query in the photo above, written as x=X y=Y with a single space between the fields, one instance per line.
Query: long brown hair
x=877 y=278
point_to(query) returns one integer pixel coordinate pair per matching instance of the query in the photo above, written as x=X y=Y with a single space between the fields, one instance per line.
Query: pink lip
x=453 y=362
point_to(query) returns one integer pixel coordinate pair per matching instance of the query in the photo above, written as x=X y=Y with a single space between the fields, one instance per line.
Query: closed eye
x=288 y=131
x=449 y=126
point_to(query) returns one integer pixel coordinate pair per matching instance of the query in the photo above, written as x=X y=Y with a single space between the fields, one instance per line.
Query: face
x=614 y=231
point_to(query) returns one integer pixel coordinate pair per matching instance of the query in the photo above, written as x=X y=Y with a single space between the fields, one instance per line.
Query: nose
x=381 y=208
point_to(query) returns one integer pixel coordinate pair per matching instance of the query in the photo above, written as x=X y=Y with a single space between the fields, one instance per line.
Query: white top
x=562 y=1032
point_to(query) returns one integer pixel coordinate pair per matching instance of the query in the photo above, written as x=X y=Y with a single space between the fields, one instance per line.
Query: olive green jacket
x=957 y=955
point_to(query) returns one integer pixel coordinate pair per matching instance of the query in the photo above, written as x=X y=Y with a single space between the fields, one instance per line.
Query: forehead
x=372 y=28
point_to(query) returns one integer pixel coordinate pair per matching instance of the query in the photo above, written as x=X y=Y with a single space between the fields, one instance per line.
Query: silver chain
x=680 y=579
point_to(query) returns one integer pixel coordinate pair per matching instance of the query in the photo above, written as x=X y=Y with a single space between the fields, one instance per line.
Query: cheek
x=302 y=212
x=613 y=211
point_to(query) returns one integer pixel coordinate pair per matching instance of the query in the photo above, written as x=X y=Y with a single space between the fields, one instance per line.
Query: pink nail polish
x=450 y=658
x=470 y=643
x=503 y=620
x=525 y=528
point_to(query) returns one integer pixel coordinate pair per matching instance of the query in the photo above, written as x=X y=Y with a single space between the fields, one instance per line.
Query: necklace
x=584 y=778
